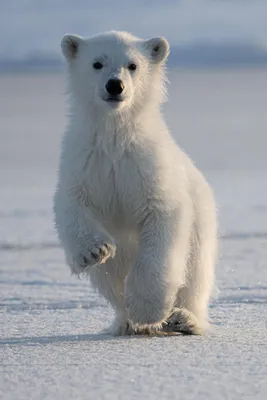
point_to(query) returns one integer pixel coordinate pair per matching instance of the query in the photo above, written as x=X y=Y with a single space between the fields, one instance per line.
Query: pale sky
x=28 y=26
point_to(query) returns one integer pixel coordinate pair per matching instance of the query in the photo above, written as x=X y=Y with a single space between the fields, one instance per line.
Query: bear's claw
x=98 y=254
x=183 y=321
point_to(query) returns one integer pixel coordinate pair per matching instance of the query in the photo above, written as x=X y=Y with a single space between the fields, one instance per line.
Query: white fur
x=128 y=194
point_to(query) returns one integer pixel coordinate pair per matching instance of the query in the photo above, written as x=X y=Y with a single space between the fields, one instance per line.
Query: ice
x=52 y=345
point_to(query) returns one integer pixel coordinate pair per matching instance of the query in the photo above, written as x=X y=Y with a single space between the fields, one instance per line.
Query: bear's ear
x=70 y=46
x=158 y=48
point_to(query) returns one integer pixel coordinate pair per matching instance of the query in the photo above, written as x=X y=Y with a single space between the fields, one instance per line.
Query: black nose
x=114 y=87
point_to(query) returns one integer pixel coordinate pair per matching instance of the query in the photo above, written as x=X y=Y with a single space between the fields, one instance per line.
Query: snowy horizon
x=197 y=30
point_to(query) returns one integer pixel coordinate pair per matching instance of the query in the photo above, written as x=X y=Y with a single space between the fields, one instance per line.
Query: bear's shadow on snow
x=47 y=340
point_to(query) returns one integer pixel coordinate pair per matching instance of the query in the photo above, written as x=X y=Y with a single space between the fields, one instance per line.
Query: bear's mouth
x=113 y=99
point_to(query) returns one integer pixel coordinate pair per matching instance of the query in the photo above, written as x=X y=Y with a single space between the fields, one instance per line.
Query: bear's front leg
x=85 y=241
x=159 y=270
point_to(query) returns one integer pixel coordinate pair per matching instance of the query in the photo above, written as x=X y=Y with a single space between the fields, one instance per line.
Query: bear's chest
x=112 y=185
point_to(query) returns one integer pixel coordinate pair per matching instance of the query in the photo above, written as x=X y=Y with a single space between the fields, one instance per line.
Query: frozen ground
x=51 y=345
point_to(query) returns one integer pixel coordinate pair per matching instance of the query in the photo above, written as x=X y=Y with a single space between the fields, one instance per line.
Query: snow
x=51 y=344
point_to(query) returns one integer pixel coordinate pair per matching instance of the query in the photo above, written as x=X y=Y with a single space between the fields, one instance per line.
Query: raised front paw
x=97 y=252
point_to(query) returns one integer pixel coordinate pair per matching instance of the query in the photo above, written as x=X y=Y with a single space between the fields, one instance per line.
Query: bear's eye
x=97 y=65
x=132 y=67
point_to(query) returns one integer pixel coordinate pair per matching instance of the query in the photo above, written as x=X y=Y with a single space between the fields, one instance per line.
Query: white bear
x=131 y=209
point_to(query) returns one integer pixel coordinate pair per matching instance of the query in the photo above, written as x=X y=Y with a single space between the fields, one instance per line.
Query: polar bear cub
x=131 y=209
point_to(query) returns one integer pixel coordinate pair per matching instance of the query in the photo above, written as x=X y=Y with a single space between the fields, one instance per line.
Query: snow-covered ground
x=51 y=344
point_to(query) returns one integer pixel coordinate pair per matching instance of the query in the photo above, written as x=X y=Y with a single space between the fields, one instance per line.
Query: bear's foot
x=126 y=328
x=183 y=321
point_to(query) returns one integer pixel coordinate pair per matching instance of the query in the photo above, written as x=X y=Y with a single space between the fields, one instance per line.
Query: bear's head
x=115 y=71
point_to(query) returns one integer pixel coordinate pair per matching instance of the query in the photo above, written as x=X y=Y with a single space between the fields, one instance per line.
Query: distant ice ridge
x=202 y=32
x=193 y=55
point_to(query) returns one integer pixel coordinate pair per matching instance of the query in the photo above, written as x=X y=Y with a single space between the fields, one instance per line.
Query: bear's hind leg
x=193 y=298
